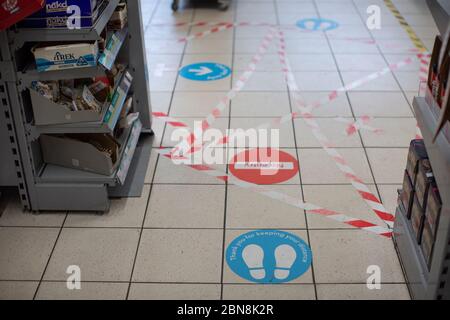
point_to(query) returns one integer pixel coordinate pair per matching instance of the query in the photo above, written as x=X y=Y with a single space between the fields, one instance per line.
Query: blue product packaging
x=65 y=56
x=55 y=15
x=58 y=8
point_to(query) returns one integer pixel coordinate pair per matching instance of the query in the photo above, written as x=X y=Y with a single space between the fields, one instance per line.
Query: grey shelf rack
x=45 y=187
x=424 y=282
x=24 y=35
x=440 y=9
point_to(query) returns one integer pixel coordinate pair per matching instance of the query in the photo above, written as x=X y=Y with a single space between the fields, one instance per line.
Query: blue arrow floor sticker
x=205 y=71
x=268 y=256
x=317 y=24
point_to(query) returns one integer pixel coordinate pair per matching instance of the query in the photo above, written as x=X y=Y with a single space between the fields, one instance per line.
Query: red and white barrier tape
x=424 y=59
x=373 y=202
x=187 y=145
x=361 y=124
x=322 y=102
x=207 y=32
x=308 y=207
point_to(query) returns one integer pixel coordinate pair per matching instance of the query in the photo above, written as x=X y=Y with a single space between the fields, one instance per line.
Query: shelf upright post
x=138 y=64
x=13 y=115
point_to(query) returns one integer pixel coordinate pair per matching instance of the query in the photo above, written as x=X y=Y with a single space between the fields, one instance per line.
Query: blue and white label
x=268 y=256
x=205 y=71
x=317 y=24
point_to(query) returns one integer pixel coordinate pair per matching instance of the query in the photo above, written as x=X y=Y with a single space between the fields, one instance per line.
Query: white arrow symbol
x=202 y=71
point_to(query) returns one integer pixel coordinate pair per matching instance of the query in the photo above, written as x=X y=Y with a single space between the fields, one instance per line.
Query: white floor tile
x=186 y=206
x=192 y=256
x=20 y=246
x=335 y=130
x=246 y=209
x=361 y=292
x=380 y=104
x=317 y=167
x=343 y=256
x=181 y=291
x=88 y=291
x=268 y=292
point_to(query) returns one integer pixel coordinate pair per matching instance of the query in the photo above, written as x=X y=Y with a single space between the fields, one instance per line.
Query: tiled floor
x=171 y=242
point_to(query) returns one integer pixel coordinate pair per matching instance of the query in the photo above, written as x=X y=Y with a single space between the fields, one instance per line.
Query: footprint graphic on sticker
x=253 y=256
x=285 y=257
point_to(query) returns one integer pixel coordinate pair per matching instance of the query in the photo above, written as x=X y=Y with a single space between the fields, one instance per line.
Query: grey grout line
x=154 y=172
x=50 y=257
x=303 y=194
x=225 y=211
x=301 y=185
x=186 y=228
x=353 y=112
x=208 y=283
x=406 y=97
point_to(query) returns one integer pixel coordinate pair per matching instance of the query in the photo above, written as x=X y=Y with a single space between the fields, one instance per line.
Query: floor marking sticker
x=317 y=24
x=269 y=256
x=205 y=71
x=264 y=166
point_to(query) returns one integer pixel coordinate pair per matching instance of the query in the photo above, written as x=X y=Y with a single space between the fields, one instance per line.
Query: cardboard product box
x=13 y=11
x=65 y=56
x=445 y=48
x=97 y=153
x=433 y=210
x=417 y=219
x=58 y=8
x=443 y=80
x=56 y=14
x=407 y=194
x=427 y=244
x=444 y=119
x=417 y=152
x=433 y=72
x=424 y=179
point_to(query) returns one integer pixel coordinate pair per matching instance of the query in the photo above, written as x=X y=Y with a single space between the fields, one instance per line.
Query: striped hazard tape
x=369 y=197
x=292 y=201
x=372 y=201
x=188 y=145
x=203 y=34
x=357 y=125
x=423 y=56
x=412 y=35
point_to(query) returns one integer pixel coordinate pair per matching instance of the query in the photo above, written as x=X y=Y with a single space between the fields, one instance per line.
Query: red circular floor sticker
x=264 y=166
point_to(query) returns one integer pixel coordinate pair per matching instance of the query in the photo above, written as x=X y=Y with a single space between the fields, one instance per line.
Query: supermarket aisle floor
x=172 y=242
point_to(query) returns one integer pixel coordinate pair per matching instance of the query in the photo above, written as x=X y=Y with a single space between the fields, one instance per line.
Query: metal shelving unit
x=24 y=35
x=47 y=187
x=424 y=282
x=440 y=9
x=429 y=281
x=7 y=168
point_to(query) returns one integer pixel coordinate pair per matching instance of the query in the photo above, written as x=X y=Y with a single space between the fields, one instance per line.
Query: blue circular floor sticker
x=317 y=24
x=205 y=71
x=268 y=256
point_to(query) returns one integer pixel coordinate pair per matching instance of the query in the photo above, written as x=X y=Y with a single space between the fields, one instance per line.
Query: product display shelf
x=103 y=126
x=425 y=283
x=30 y=74
x=23 y=35
x=57 y=174
x=46 y=187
